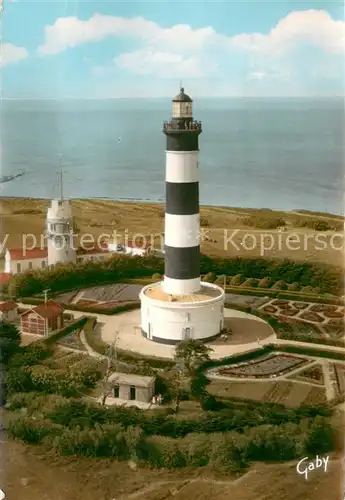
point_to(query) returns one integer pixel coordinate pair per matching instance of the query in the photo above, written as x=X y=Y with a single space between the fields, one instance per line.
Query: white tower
x=181 y=307
x=60 y=231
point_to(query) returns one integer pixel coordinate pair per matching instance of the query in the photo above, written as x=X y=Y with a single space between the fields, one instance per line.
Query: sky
x=99 y=49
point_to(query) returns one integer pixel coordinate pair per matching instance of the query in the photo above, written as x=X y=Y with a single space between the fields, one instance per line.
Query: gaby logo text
x=305 y=466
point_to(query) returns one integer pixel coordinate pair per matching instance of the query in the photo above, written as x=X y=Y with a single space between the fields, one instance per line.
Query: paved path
x=126 y=326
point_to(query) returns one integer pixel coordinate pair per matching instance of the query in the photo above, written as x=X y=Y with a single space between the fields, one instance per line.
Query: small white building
x=18 y=260
x=9 y=311
x=130 y=248
x=130 y=387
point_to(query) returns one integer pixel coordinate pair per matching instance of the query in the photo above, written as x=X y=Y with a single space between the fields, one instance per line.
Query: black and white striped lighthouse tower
x=182 y=218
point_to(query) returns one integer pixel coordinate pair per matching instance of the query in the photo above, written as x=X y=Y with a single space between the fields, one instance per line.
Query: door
x=116 y=391
x=187 y=333
x=132 y=393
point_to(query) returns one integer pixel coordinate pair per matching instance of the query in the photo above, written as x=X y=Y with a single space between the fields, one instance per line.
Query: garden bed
x=313 y=374
x=312 y=316
x=276 y=364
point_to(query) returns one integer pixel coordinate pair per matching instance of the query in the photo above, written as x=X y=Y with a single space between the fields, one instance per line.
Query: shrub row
x=310 y=339
x=99 y=432
x=121 y=267
x=121 y=307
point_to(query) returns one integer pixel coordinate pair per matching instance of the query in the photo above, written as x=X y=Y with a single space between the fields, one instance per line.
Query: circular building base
x=169 y=319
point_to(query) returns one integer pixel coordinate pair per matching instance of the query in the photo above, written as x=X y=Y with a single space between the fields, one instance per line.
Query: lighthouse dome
x=182 y=97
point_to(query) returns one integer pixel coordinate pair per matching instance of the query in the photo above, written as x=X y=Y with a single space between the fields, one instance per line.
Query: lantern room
x=182 y=106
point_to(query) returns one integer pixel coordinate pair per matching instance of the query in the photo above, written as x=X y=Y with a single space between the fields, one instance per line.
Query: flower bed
x=272 y=365
x=300 y=305
x=289 y=311
x=340 y=378
x=113 y=304
x=333 y=314
x=334 y=331
x=270 y=309
x=312 y=316
x=314 y=374
x=86 y=303
x=280 y=302
x=322 y=308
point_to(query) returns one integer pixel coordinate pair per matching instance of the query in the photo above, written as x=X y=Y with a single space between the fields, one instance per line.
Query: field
x=290 y=394
x=32 y=473
x=96 y=217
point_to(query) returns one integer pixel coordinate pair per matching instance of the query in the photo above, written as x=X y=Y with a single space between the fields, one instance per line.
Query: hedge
x=289 y=295
x=76 y=325
x=122 y=267
x=310 y=339
x=122 y=307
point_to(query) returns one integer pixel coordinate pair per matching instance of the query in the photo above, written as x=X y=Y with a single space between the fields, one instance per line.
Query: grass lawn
x=96 y=217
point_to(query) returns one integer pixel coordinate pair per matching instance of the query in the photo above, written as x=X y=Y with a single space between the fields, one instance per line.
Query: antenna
x=61 y=177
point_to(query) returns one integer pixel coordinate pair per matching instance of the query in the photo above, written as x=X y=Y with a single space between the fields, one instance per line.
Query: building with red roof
x=43 y=319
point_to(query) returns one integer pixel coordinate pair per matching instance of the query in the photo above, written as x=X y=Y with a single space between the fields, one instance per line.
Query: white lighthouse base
x=170 y=319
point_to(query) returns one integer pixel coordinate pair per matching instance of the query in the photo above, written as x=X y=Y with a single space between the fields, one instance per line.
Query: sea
x=284 y=154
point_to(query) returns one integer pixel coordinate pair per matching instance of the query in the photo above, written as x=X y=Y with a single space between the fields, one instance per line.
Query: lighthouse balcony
x=185 y=126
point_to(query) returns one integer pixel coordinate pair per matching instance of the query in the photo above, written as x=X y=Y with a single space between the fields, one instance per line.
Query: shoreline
x=147 y=201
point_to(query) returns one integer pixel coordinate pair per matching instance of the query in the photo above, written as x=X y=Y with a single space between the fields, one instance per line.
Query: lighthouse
x=182 y=307
x=60 y=232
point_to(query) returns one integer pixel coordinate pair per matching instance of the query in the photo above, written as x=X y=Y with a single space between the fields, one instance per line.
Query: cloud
x=163 y=64
x=314 y=27
x=10 y=53
x=181 y=51
x=69 y=32
x=256 y=75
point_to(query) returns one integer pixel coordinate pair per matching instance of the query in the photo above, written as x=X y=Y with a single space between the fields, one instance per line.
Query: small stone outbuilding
x=9 y=311
x=129 y=387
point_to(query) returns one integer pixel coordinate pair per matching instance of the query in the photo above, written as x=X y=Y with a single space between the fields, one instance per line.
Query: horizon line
x=168 y=97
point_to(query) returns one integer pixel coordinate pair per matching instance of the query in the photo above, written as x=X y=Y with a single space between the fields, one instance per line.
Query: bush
x=264 y=282
x=250 y=282
x=209 y=277
x=156 y=277
x=9 y=341
x=236 y=280
x=307 y=289
x=293 y=287
x=279 y=285
x=209 y=403
x=267 y=222
x=32 y=430
x=221 y=280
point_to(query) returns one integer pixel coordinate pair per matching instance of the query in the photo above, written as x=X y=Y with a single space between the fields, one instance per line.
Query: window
x=188 y=316
x=116 y=391
x=43 y=265
x=19 y=267
x=132 y=393
x=30 y=265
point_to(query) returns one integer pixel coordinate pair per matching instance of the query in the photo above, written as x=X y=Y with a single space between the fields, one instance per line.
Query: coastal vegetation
x=321 y=278
x=225 y=437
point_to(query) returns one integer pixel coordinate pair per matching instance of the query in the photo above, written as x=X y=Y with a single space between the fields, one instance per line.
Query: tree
x=111 y=363
x=192 y=353
x=9 y=341
x=180 y=383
